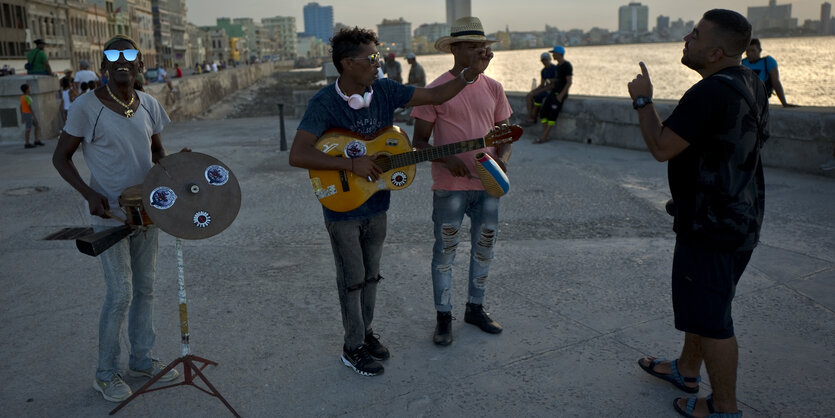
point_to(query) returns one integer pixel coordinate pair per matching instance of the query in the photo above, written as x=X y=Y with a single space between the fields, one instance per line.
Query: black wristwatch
x=641 y=101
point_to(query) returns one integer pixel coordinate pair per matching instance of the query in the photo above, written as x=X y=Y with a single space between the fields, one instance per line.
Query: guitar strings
x=400 y=160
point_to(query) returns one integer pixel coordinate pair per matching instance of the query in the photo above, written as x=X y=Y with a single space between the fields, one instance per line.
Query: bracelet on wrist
x=465 y=78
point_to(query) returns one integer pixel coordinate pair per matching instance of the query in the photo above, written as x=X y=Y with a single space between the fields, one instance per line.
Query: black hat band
x=467 y=32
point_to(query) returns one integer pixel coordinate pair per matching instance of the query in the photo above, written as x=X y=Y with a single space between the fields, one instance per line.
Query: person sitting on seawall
x=555 y=99
x=766 y=69
x=536 y=96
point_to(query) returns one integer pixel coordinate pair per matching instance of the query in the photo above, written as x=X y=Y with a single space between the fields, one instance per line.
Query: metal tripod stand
x=190 y=369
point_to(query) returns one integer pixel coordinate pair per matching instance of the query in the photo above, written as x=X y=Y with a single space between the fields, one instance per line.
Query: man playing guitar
x=363 y=104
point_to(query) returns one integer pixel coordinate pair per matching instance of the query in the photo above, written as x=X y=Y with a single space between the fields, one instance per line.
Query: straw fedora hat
x=465 y=29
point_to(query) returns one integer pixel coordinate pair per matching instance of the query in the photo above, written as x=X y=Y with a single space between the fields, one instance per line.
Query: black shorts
x=704 y=284
x=537 y=100
x=550 y=110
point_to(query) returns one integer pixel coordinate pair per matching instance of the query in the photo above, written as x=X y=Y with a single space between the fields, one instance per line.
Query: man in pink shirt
x=456 y=185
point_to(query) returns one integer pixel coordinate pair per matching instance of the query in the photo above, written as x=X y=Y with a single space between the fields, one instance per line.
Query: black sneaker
x=475 y=315
x=375 y=348
x=443 y=330
x=361 y=361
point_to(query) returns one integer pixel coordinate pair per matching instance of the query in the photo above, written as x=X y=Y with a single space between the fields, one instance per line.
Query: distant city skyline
x=527 y=15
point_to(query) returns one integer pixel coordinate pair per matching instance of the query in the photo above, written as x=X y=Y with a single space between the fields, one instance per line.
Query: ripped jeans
x=449 y=210
x=357 y=246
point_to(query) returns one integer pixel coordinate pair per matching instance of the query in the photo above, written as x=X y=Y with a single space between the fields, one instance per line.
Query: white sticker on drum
x=202 y=219
x=355 y=149
x=163 y=198
x=217 y=175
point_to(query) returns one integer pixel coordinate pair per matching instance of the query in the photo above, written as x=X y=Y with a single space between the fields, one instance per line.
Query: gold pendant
x=128 y=113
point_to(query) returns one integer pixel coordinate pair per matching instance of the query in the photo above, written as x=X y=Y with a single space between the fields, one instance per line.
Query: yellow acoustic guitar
x=342 y=190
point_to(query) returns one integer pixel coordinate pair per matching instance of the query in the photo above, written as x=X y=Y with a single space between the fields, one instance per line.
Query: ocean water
x=806 y=65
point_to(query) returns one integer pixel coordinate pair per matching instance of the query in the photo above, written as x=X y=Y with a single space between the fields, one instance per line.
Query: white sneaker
x=116 y=390
x=829 y=164
x=156 y=367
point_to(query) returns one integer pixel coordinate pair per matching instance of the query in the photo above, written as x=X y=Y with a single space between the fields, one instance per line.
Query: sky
x=495 y=15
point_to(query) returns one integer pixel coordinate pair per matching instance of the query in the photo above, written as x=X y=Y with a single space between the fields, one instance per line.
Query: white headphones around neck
x=356 y=101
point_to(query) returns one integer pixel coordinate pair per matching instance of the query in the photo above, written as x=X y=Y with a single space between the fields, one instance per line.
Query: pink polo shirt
x=468 y=115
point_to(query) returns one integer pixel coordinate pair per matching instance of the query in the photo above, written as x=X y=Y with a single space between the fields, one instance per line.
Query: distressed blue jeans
x=129 y=274
x=449 y=208
x=357 y=247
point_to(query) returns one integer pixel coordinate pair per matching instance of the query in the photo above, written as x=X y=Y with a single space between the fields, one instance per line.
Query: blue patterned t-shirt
x=327 y=110
x=762 y=67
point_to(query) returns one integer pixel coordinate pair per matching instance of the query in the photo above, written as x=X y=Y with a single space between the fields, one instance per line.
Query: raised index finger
x=644 y=69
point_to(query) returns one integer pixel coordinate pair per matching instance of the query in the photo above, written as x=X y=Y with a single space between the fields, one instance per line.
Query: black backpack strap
x=769 y=86
x=749 y=97
x=740 y=88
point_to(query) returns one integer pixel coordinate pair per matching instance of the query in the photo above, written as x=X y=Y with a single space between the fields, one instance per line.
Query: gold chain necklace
x=128 y=110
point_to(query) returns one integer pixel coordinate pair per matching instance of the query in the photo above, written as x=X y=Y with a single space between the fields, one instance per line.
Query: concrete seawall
x=194 y=94
x=801 y=138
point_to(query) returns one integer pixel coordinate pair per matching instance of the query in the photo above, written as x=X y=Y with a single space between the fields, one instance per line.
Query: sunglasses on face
x=112 y=55
x=373 y=58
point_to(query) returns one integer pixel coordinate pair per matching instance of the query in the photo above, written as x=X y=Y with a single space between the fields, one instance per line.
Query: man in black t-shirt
x=552 y=105
x=712 y=141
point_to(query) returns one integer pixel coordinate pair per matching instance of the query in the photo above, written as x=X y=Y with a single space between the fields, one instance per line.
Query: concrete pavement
x=580 y=282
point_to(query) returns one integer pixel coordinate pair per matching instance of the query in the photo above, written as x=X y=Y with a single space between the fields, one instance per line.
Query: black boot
x=475 y=315
x=443 y=331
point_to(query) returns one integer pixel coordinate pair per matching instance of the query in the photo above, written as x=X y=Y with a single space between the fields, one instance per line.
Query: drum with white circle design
x=191 y=195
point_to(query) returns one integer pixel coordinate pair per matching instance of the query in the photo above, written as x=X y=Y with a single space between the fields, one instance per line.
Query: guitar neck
x=419 y=156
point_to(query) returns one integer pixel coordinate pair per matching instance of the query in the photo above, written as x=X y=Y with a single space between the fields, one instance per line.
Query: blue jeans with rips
x=449 y=208
x=357 y=248
x=129 y=274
